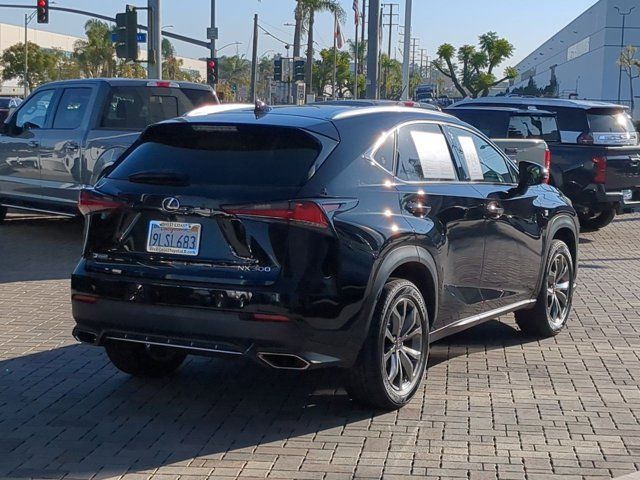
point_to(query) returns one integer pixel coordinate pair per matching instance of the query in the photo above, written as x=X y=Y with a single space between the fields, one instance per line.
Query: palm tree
x=309 y=9
x=297 y=34
x=96 y=55
x=235 y=70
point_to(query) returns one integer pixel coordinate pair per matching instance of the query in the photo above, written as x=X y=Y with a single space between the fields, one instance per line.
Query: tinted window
x=72 y=108
x=492 y=124
x=136 y=107
x=483 y=161
x=384 y=153
x=4 y=102
x=35 y=110
x=224 y=154
x=569 y=119
x=609 y=120
x=423 y=154
x=533 y=126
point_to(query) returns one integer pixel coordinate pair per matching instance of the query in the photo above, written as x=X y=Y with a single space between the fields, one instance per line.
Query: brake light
x=547 y=165
x=303 y=212
x=265 y=317
x=163 y=84
x=91 y=299
x=599 y=169
x=585 y=139
x=91 y=201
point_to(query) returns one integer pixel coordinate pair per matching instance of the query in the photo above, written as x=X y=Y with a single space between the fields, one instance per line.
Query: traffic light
x=127 y=34
x=298 y=70
x=212 y=71
x=277 y=69
x=43 y=11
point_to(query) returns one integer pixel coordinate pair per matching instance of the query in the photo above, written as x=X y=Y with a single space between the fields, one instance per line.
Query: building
x=583 y=56
x=12 y=34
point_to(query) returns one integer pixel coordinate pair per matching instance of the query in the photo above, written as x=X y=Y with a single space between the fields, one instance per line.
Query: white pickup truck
x=522 y=133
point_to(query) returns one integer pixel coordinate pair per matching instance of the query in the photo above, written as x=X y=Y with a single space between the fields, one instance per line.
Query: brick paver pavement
x=495 y=405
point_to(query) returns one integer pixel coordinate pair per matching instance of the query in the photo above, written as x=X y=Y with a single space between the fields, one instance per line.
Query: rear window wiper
x=160 y=177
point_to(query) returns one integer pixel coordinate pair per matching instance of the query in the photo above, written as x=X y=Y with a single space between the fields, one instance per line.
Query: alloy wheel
x=558 y=290
x=403 y=345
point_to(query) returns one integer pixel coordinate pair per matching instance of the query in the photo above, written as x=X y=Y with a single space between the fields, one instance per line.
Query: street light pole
x=624 y=18
x=27 y=19
x=405 y=52
x=373 y=49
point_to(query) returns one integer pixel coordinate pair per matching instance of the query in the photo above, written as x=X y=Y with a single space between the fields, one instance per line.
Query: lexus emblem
x=171 y=204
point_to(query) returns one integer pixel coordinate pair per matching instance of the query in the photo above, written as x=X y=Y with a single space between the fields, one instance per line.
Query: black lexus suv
x=306 y=237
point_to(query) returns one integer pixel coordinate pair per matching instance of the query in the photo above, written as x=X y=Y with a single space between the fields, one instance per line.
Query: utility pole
x=373 y=48
x=254 y=59
x=335 y=55
x=26 y=57
x=390 y=25
x=154 y=42
x=624 y=18
x=355 y=60
x=414 y=44
x=422 y=57
x=213 y=32
x=364 y=25
x=405 y=52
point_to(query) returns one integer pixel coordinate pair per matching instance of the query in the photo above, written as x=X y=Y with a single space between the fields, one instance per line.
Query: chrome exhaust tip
x=284 y=361
x=85 y=337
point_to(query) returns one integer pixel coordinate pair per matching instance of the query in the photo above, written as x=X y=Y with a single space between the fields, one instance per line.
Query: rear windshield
x=534 y=127
x=225 y=154
x=609 y=120
x=492 y=124
x=134 y=108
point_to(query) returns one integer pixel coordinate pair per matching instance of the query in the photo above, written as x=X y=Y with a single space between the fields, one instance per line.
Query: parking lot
x=495 y=405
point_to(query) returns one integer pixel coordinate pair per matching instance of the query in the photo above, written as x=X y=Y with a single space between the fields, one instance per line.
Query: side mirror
x=530 y=174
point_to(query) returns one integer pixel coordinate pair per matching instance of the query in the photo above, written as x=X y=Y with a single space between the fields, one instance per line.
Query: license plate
x=174 y=237
x=627 y=195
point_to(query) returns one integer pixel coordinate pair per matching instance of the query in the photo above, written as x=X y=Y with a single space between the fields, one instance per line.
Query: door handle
x=494 y=210
x=34 y=144
x=511 y=151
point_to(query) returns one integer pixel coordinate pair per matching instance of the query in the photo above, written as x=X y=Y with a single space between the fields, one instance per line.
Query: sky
x=525 y=24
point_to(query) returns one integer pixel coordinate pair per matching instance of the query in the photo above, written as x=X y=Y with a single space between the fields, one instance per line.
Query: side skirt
x=469 y=322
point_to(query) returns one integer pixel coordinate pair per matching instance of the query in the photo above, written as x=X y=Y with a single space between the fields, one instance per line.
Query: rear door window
x=209 y=154
x=71 y=108
x=423 y=154
x=134 y=108
x=534 y=127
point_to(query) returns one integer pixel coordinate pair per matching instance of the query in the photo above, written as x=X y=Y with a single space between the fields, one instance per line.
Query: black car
x=306 y=237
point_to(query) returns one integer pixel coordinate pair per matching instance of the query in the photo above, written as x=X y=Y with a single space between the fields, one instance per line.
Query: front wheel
x=598 y=220
x=551 y=310
x=143 y=360
x=393 y=360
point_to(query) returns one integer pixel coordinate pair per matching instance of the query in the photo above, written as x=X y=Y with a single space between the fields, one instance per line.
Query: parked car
x=7 y=105
x=521 y=133
x=315 y=236
x=66 y=133
x=597 y=161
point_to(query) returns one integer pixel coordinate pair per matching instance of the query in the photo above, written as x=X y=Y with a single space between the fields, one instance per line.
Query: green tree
x=130 y=70
x=309 y=10
x=42 y=64
x=96 y=54
x=631 y=66
x=235 y=70
x=471 y=68
x=323 y=73
x=265 y=74
x=362 y=55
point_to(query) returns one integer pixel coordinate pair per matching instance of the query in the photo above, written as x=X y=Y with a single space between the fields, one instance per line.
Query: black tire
x=141 y=360
x=368 y=380
x=547 y=318
x=3 y=213
x=597 y=221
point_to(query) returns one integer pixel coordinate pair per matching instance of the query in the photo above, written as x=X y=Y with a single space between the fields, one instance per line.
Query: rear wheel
x=598 y=220
x=141 y=360
x=393 y=360
x=549 y=315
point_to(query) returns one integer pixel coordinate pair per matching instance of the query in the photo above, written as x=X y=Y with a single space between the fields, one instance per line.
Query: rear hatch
x=205 y=202
x=621 y=170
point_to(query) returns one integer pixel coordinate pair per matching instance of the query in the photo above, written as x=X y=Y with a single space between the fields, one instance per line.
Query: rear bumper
x=596 y=199
x=144 y=315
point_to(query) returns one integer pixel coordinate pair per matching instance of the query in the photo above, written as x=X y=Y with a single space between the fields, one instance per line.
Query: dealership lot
x=495 y=405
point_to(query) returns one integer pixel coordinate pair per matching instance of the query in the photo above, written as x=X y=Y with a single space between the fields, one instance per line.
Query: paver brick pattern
x=496 y=404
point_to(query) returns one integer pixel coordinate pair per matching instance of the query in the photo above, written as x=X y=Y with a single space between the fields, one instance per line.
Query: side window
x=35 y=110
x=384 y=153
x=423 y=154
x=484 y=162
x=72 y=108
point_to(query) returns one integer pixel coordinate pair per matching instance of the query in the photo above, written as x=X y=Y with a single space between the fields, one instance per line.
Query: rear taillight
x=599 y=169
x=547 y=165
x=585 y=139
x=302 y=212
x=91 y=201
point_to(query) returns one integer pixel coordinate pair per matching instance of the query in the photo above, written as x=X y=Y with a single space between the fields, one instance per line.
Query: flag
x=356 y=12
x=339 y=37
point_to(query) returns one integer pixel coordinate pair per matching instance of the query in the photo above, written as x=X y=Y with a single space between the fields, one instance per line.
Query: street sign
x=141 y=36
x=212 y=33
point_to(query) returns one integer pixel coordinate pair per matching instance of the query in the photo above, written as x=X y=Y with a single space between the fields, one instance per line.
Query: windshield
x=246 y=155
